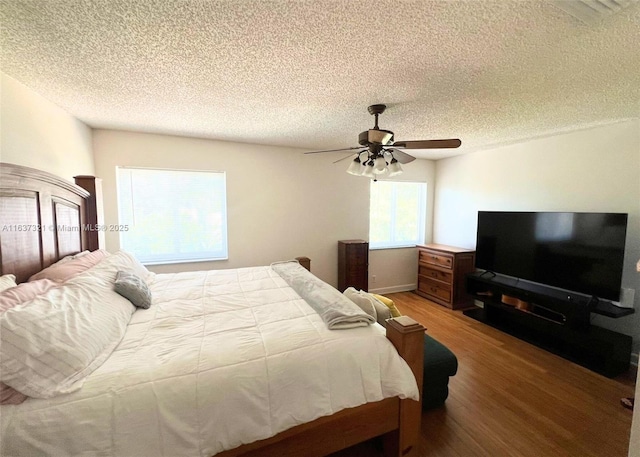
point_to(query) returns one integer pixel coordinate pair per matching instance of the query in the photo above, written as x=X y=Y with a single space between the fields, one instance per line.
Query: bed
x=315 y=405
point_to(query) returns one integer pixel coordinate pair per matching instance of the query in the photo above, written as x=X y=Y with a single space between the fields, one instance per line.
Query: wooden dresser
x=353 y=264
x=441 y=274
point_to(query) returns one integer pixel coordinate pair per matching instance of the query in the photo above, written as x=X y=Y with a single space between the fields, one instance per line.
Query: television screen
x=581 y=252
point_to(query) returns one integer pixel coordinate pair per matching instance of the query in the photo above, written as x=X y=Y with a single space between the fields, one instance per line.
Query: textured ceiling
x=301 y=74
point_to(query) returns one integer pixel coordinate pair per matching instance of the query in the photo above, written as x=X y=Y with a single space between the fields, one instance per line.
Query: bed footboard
x=407 y=335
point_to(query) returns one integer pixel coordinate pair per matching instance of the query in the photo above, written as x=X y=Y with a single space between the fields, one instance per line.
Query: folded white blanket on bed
x=336 y=310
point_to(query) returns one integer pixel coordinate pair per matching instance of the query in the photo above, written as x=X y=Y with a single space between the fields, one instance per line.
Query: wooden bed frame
x=44 y=218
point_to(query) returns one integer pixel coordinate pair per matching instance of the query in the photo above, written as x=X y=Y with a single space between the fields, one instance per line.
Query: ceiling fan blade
x=335 y=150
x=428 y=144
x=401 y=157
x=345 y=158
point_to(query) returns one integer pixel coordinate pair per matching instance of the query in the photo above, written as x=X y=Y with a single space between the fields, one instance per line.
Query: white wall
x=281 y=203
x=36 y=133
x=592 y=170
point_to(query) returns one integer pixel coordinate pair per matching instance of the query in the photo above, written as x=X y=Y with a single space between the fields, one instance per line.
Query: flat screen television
x=580 y=252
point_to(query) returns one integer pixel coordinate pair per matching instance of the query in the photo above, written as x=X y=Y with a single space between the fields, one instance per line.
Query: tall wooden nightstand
x=353 y=264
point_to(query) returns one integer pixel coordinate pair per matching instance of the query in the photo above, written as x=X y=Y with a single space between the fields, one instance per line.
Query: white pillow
x=50 y=346
x=369 y=304
x=121 y=260
x=362 y=301
x=382 y=311
x=7 y=282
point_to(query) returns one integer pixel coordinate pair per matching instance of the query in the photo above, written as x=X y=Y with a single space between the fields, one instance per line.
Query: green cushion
x=439 y=364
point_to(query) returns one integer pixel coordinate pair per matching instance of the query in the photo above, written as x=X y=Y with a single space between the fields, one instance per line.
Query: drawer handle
x=434 y=290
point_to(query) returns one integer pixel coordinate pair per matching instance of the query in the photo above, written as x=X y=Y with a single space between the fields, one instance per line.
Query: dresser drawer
x=439 y=275
x=356 y=276
x=430 y=287
x=357 y=255
x=436 y=258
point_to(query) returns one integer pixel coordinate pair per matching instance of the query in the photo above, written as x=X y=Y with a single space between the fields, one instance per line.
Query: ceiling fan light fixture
x=394 y=168
x=355 y=168
x=380 y=165
x=368 y=170
x=375 y=166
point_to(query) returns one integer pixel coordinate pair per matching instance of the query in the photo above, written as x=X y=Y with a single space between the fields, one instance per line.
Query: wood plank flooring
x=510 y=398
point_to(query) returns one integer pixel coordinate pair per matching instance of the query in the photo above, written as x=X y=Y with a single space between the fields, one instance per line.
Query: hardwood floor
x=510 y=398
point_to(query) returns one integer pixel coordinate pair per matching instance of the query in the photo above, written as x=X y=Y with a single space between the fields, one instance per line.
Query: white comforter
x=221 y=358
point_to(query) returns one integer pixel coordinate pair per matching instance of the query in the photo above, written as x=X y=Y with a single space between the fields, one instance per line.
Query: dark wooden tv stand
x=552 y=319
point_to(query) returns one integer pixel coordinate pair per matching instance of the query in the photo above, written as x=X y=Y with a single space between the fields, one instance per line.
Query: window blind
x=172 y=215
x=397 y=214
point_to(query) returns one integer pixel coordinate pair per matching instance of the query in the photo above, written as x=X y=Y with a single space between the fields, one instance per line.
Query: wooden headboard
x=42 y=219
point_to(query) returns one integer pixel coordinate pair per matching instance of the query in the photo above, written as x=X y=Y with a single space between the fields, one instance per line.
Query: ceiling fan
x=383 y=154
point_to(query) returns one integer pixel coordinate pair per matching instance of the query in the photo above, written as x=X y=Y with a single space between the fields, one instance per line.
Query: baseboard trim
x=634 y=359
x=394 y=289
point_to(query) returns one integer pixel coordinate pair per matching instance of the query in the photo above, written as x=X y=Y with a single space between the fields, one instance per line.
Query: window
x=172 y=215
x=397 y=214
